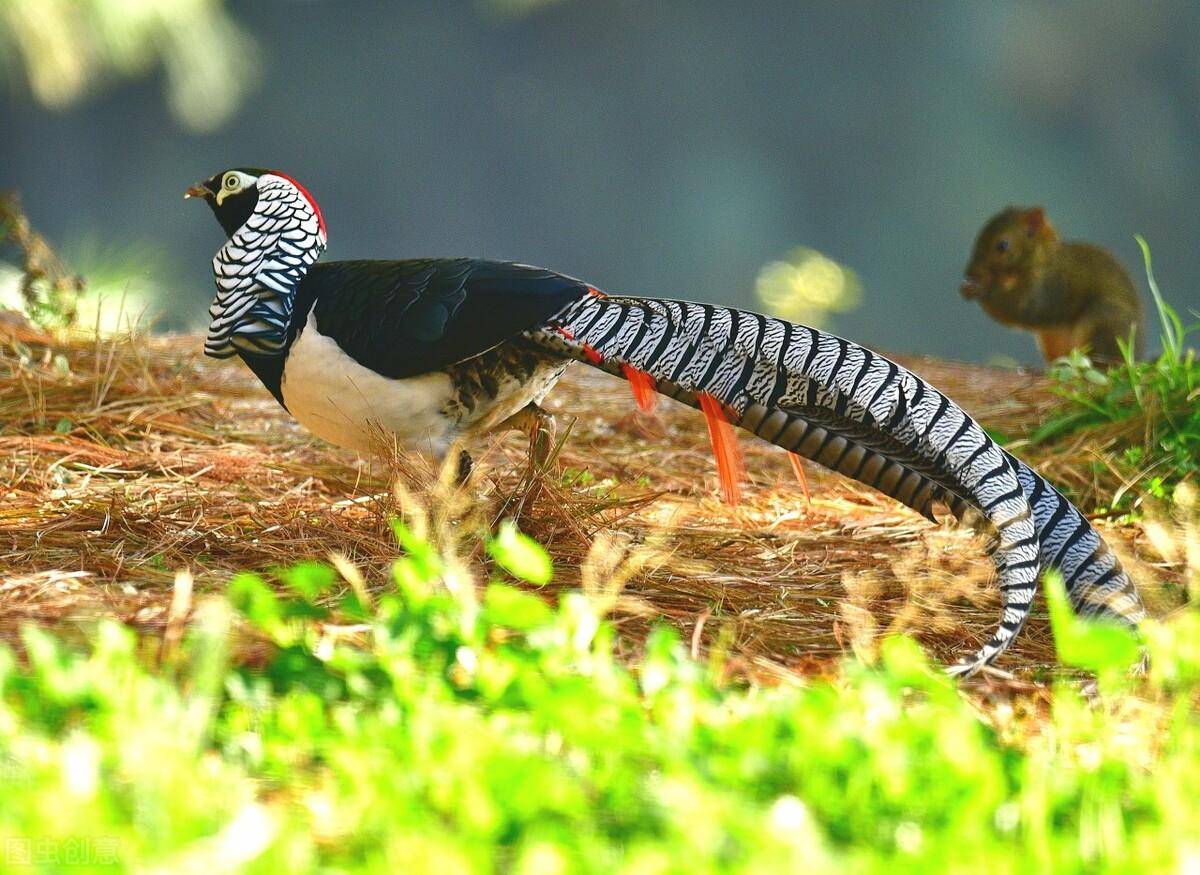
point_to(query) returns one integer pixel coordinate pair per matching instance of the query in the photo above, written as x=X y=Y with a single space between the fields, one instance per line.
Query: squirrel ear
x=1035 y=219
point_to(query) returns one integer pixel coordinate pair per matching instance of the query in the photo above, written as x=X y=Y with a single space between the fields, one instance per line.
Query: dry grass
x=123 y=461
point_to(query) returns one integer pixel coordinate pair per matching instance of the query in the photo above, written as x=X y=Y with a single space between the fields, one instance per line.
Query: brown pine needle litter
x=130 y=463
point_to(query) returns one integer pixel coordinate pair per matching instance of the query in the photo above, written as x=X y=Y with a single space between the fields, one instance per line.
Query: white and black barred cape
x=259 y=268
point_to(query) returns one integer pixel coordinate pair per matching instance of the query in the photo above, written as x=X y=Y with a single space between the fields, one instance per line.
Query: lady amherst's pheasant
x=436 y=349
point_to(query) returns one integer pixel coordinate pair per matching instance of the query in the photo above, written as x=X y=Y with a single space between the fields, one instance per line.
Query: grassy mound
x=1131 y=431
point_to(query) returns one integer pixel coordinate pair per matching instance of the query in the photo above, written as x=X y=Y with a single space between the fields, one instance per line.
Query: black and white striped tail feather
x=840 y=450
x=1092 y=574
x=864 y=416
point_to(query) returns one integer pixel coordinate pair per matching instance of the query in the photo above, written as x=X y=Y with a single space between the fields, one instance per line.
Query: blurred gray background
x=660 y=148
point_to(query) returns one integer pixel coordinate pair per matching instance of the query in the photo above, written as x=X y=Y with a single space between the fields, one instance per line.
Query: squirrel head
x=1010 y=253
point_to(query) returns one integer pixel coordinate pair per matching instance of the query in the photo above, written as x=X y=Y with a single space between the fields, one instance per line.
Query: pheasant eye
x=231 y=181
x=1002 y=246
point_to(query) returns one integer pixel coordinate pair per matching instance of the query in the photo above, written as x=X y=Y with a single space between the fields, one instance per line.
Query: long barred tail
x=857 y=413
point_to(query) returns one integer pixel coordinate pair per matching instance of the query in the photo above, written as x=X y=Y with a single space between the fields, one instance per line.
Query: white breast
x=337 y=399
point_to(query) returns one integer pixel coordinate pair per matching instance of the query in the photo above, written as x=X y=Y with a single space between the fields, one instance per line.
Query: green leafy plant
x=1144 y=416
x=1105 y=649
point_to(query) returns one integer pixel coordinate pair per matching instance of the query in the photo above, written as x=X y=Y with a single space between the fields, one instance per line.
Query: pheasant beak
x=197 y=190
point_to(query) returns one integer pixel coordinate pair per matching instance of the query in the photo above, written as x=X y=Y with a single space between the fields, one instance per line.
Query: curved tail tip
x=966 y=668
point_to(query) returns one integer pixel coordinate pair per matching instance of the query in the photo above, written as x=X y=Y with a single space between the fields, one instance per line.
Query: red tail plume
x=725 y=447
x=643 y=386
x=799 y=469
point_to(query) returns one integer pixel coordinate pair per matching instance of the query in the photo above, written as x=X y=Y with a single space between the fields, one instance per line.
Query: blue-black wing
x=405 y=318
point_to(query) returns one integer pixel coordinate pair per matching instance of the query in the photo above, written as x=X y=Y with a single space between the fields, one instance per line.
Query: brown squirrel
x=1070 y=295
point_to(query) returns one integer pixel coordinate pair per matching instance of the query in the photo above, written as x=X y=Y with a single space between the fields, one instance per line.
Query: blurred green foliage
x=65 y=49
x=124 y=286
x=424 y=729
